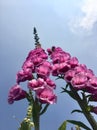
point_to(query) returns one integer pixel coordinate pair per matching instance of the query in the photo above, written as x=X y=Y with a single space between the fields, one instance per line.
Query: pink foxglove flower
x=46 y=95
x=81 y=68
x=92 y=85
x=16 y=93
x=50 y=83
x=36 y=84
x=69 y=75
x=28 y=64
x=55 y=69
x=24 y=75
x=63 y=68
x=79 y=81
x=43 y=71
x=73 y=62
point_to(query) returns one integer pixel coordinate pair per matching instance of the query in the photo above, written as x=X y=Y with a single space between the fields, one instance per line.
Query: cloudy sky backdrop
x=70 y=24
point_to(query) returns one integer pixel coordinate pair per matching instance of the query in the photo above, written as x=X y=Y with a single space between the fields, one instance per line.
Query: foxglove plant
x=81 y=85
x=36 y=70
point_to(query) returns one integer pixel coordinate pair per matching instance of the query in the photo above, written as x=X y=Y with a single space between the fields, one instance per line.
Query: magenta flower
x=36 y=84
x=38 y=52
x=37 y=61
x=63 y=68
x=79 y=81
x=89 y=73
x=81 y=68
x=28 y=64
x=50 y=83
x=24 y=75
x=43 y=71
x=73 y=62
x=69 y=75
x=92 y=85
x=49 y=50
x=55 y=69
x=46 y=95
x=47 y=64
x=16 y=93
x=59 y=56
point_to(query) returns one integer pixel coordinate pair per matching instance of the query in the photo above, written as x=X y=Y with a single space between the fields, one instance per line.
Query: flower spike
x=37 y=43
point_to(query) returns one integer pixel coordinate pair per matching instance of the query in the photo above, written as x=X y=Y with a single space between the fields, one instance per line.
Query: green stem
x=83 y=106
x=36 y=114
x=37 y=122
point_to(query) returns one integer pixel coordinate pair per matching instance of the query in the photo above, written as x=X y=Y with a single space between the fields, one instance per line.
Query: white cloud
x=88 y=19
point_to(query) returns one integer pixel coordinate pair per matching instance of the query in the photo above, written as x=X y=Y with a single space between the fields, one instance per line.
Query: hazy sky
x=70 y=24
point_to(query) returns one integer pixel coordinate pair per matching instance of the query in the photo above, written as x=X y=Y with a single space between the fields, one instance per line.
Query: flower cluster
x=74 y=73
x=36 y=70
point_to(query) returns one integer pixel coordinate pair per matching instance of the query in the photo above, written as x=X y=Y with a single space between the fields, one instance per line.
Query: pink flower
x=36 y=84
x=81 y=68
x=47 y=64
x=49 y=51
x=24 y=75
x=59 y=56
x=69 y=75
x=89 y=73
x=55 y=69
x=37 y=52
x=16 y=93
x=79 y=81
x=37 y=61
x=73 y=62
x=50 y=83
x=46 y=95
x=43 y=71
x=92 y=85
x=28 y=64
x=63 y=68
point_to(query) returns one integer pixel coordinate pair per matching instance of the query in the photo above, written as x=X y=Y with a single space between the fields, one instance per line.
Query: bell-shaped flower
x=73 y=62
x=55 y=69
x=63 y=68
x=46 y=95
x=36 y=84
x=92 y=85
x=16 y=93
x=69 y=75
x=43 y=71
x=79 y=81
x=24 y=75
x=50 y=83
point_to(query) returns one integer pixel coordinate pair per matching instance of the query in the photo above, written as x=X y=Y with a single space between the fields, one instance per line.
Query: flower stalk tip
x=36 y=38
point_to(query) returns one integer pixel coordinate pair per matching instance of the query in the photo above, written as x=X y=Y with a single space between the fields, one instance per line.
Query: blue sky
x=70 y=24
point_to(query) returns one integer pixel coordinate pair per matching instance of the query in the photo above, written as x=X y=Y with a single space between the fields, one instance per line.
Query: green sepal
x=63 y=126
x=79 y=111
x=25 y=126
x=79 y=123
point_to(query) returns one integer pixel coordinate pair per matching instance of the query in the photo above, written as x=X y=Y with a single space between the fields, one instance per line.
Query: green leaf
x=24 y=126
x=44 y=109
x=63 y=126
x=79 y=123
x=69 y=93
x=77 y=111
